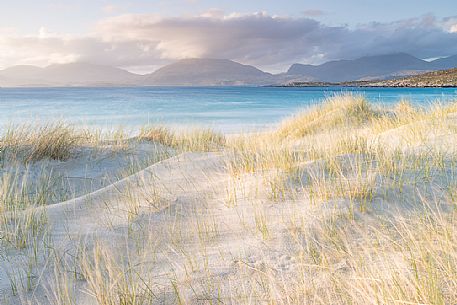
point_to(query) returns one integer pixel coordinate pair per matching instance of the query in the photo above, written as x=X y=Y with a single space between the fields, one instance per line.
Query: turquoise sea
x=226 y=109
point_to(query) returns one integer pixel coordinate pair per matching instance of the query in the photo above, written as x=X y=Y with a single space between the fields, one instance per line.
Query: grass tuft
x=199 y=140
x=339 y=111
x=54 y=141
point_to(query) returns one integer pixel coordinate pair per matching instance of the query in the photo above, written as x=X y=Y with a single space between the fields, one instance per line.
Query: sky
x=143 y=35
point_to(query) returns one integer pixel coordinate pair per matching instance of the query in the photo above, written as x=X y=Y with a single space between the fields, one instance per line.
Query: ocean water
x=225 y=109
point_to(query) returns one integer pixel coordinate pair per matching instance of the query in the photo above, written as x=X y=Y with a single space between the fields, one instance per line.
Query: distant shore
x=433 y=79
x=381 y=84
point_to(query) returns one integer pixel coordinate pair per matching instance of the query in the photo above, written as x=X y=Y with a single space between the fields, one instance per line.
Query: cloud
x=213 y=13
x=270 y=42
x=47 y=48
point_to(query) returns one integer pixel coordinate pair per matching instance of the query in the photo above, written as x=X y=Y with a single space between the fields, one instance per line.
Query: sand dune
x=316 y=212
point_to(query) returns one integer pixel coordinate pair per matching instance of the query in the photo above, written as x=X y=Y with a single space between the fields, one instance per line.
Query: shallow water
x=226 y=109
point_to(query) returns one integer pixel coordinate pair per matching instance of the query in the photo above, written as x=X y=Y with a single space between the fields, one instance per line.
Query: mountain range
x=222 y=72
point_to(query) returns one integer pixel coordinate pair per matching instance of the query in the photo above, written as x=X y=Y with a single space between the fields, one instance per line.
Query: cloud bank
x=145 y=42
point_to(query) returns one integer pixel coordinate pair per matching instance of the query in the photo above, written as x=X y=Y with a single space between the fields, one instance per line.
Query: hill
x=444 y=63
x=74 y=74
x=208 y=72
x=444 y=78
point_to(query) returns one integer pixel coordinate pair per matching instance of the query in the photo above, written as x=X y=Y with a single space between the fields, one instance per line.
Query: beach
x=343 y=202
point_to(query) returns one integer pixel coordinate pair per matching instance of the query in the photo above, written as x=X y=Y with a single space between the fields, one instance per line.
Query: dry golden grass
x=20 y=224
x=401 y=261
x=55 y=141
x=339 y=111
x=159 y=134
x=111 y=283
x=261 y=157
x=403 y=113
x=201 y=140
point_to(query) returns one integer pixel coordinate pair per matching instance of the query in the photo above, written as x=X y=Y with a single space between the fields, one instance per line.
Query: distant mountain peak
x=208 y=71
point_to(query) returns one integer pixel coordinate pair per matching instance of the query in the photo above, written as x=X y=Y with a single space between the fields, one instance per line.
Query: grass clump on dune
x=20 y=223
x=338 y=111
x=344 y=127
x=158 y=134
x=276 y=149
x=202 y=140
x=402 y=114
x=255 y=153
x=405 y=113
x=110 y=282
x=54 y=141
